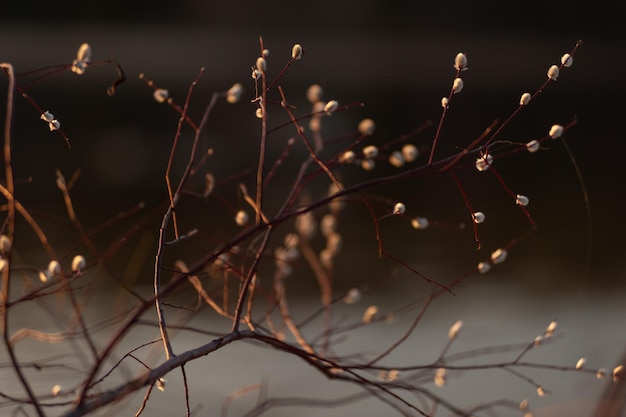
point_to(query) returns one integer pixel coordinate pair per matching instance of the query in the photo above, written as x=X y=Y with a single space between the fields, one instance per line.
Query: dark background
x=394 y=56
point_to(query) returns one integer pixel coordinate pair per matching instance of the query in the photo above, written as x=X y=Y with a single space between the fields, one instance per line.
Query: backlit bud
x=460 y=62
x=369 y=314
x=618 y=372
x=521 y=200
x=440 y=377
x=399 y=208
x=54 y=268
x=484 y=267
x=328 y=225
x=370 y=152
x=553 y=72
x=368 y=164
x=261 y=64
x=567 y=60
x=333 y=243
x=353 y=296
x=444 y=102
x=498 y=256
x=233 y=95
x=367 y=127
x=541 y=392
x=84 y=53
x=347 y=157
x=525 y=99
x=532 y=146
x=296 y=52
x=160 y=95
x=326 y=258
x=78 y=263
x=454 y=329
x=306 y=226
x=47 y=117
x=54 y=125
x=484 y=162
x=56 y=390
x=291 y=240
x=556 y=131
x=259 y=113
x=457 y=85
x=420 y=223
x=601 y=373
x=551 y=328
x=314 y=93
x=5 y=244
x=331 y=106
x=580 y=363
x=396 y=159
x=160 y=384
x=409 y=152
x=478 y=217
x=242 y=218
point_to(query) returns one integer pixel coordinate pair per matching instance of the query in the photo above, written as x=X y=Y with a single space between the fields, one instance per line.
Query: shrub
x=232 y=241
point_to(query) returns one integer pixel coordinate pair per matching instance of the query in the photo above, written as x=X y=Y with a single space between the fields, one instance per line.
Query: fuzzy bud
x=353 y=296
x=314 y=93
x=54 y=125
x=532 y=146
x=484 y=162
x=556 y=131
x=525 y=99
x=498 y=256
x=367 y=127
x=233 y=95
x=331 y=106
x=370 y=152
x=399 y=208
x=368 y=164
x=328 y=225
x=484 y=267
x=296 y=52
x=420 y=223
x=54 y=268
x=409 y=152
x=454 y=329
x=567 y=60
x=440 y=377
x=369 y=314
x=5 y=244
x=78 y=263
x=396 y=159
x=460 y=62
x=553 y=72
x=478 y=217
x=444 y=102
x=242 y=218
x=47 y=117
x=580 y=363
x=347 y=157
x=261 y=64
x=161 y=95
x=457 y=85
x=521 y=200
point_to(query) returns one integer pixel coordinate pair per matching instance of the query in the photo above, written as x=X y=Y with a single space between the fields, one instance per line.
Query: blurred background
x=397 y=59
